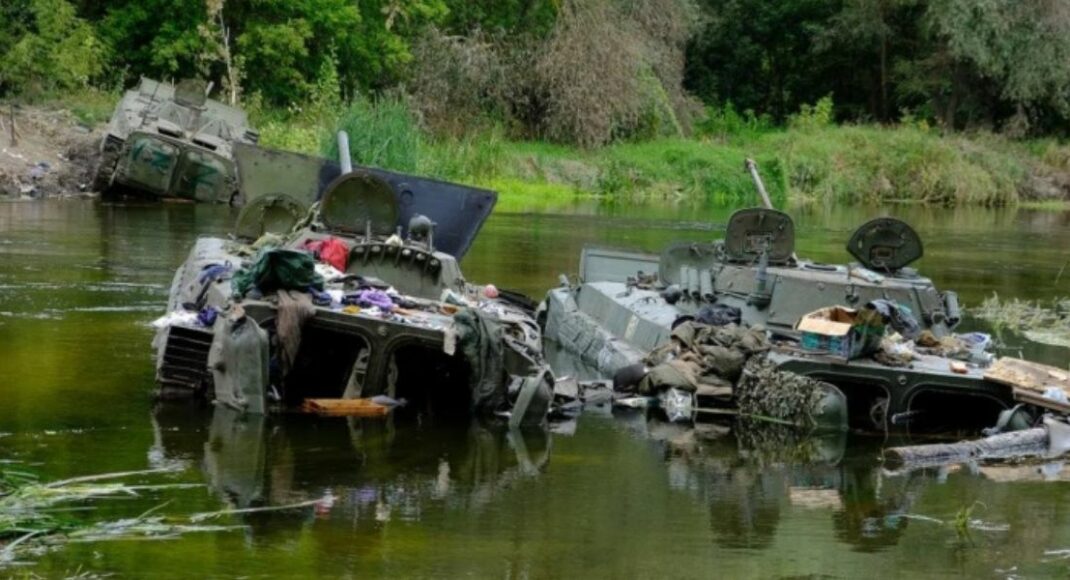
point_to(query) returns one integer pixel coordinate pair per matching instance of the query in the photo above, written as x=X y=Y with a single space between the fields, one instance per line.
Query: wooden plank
x=1026 y=375
x=1034 y=398
x=345 y=407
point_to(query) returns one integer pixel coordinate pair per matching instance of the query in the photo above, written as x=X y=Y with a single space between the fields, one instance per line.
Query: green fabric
x=479 y=336
x=276 y=269
x=239 y=359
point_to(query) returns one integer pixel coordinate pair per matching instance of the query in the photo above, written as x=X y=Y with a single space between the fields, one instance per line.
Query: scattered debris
x=55 y=156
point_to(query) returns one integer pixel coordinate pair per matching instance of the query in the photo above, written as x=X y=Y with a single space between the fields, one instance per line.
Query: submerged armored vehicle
x=350 y=291
x=626 y=305
x=172 y=141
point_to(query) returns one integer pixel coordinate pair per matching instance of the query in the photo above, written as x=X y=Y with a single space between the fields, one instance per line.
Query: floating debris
x=1046 y=324
x=28 y=513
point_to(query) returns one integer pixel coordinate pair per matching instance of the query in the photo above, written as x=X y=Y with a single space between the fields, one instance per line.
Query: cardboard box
x=840 y=331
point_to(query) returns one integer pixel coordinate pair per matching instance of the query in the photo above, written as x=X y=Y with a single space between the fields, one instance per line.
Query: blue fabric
x=207 y=316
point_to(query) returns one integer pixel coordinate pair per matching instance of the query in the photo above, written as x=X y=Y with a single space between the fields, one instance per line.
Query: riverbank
x=852 y=164
x=50 y=153
x=907 y=163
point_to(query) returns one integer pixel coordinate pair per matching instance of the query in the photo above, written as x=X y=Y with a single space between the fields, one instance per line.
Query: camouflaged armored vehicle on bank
x=171 y=141
x=343 y=285
x=626 y=305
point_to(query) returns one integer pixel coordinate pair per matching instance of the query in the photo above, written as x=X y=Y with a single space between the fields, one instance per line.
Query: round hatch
x=354 y=200
x=885 y=244
x=754 y=231
x=276 y=213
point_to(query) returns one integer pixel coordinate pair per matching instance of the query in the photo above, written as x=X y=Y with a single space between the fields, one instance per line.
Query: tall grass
x=812 y=160
x=382 y=133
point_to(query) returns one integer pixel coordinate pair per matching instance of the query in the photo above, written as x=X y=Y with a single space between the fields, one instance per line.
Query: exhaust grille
x=185 y=359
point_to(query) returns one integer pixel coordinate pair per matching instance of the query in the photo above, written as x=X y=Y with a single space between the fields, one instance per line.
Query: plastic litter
x=182 y=317
x=1056 y=394
x=677 y=404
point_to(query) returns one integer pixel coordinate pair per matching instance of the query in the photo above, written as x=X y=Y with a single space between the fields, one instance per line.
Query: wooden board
x=1034 y=398
x=1028 y=376
x=345 y=407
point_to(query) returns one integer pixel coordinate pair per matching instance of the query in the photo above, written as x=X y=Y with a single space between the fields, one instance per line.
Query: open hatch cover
x=458 y=211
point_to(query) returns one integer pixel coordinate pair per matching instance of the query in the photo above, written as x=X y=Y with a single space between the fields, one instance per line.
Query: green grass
x=90 y=107
x=804 y=163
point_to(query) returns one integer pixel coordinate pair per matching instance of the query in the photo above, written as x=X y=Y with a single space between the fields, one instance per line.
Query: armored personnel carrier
x=626 y=305
x=346 y=292
x=171 y=141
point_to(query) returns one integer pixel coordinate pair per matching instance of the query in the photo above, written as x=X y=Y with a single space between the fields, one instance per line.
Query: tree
x=759 y=55
x=1023 y=46
x=49 y=48
x=157 y=38
x=862 y=35
x=218 y=36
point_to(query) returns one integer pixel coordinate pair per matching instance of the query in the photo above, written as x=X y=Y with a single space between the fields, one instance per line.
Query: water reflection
x=747 y=476
x=367 y=470
x=748 y=473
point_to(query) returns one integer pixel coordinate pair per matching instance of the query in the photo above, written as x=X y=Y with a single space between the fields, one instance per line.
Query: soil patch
x=51 y=155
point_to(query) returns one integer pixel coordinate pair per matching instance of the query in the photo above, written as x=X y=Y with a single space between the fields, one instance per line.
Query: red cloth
x=331 y=251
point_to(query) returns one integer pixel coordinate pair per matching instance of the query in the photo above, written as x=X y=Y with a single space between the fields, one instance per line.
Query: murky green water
x=618 y=497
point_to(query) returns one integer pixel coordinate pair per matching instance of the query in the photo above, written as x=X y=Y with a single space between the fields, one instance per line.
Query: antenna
x=752 y=167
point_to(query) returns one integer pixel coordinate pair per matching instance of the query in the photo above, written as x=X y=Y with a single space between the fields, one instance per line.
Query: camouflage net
x=730 y=358
x=765 y=391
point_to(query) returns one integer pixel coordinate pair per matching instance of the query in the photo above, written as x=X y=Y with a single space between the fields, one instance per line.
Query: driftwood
x=1013 y=444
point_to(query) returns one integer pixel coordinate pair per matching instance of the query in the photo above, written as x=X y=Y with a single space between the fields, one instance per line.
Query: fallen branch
x=210 y=515
x=1013 y=444
x=106 y=476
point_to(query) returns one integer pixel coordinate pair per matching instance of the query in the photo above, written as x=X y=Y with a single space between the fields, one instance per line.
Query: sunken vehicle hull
x=626 y=305
x=170 y=141
x=381 y=310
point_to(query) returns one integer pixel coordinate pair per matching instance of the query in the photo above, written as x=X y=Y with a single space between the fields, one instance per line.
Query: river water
x=615 y=497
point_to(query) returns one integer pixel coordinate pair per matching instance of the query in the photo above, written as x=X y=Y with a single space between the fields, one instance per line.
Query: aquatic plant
x=30 y=519
x=1047 y=323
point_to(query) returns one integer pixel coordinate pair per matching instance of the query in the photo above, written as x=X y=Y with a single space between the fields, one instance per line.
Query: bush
x=813 y=116
x=59 y=51
x=459 y=83
x=614 y=70
x=608 y=70
x=723 y=122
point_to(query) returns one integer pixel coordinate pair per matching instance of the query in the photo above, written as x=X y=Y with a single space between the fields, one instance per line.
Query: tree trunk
x=1013 y=444
x=884 y=78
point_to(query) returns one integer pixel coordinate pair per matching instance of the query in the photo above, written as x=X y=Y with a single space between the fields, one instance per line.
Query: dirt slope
x=52 y=155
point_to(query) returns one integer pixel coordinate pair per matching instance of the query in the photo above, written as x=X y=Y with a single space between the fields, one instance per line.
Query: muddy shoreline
x=50 y=154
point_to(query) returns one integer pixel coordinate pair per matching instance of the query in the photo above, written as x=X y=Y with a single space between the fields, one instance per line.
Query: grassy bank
x=846 y=164
x=807 y=162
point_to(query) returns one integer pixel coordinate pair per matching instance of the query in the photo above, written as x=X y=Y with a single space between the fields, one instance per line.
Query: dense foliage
x=577 y=71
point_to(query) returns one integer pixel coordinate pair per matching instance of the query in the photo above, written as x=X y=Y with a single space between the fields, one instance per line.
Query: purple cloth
x=369 y=298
